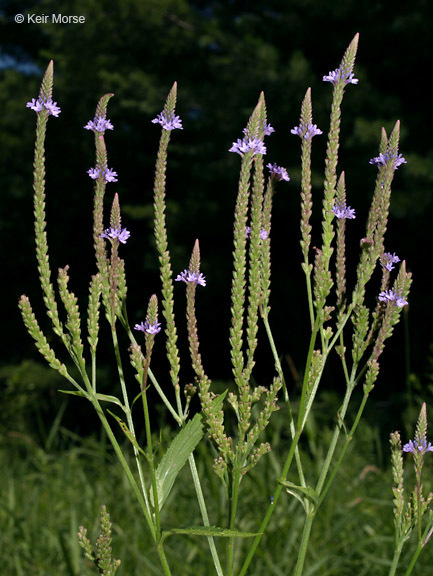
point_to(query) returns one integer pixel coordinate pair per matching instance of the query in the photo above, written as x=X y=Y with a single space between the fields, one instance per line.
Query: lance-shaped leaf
x=176 y=456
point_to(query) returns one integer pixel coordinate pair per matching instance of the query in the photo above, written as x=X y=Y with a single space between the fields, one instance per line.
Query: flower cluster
x=168 y=121
x=99 y=124
x=277 y=172
x=41 y=103
x=420 y=446
x=248 y=144
x=108 y=174
x=148 y=327
x=340 y=74
x=392 y=296
x=343 y=211
x=192 y=277
x=121 y=234
x=384 y=159
x=306 y=131
x=388 y=260
x=263 y=233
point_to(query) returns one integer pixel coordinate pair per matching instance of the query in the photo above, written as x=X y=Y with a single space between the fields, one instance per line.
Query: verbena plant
x=353 y=323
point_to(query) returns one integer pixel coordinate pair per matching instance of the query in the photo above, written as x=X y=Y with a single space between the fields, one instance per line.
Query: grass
x=46 y=494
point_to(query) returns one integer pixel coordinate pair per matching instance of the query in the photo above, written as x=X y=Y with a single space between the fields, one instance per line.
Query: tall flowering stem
x=162 y=247
x=266 y=248
x=341 y=248
x=240 y=257
x=339 y=83
x=408 y=515
x=102 y=260
x=306 y=119
x=39 y=205
x=70 y=333
x=254 y=270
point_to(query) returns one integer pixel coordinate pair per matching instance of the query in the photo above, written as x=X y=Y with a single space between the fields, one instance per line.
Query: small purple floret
x=192 y=277
x=340 y=74
x=168 y=122
x=248 y=144
x=149 y=327
x=384 y=159
x=99 y=124
x=278 y=172
x=108 y=174
x=306 y=131
x=392 y=296
x=268 y=129
x=343 y=211
x=388 y=260
x=39 y=104
x=122 y=234
x=263 y=233
x=418 y=447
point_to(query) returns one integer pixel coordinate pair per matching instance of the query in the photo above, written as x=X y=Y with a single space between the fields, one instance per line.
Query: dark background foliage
x=222 y=54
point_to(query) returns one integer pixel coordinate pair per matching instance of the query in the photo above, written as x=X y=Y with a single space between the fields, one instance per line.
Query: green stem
x=309 y=292
x=280 y=373
x=342 y=453
x=125 y=466
x=272 y=506
x=304 y=543
x=324 y=473
x=396 y=558
x=151 y=462
x=233 y=509
x=204 y=515
x=125 y=323
x=127 y=410
x=418 y=550
x=305 y=384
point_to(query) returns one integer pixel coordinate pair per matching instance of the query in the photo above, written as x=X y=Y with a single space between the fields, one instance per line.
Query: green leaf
x=112 y=399
x=176 y=456
x=301 y=492
x=128 y=434
x=103 y=397
x=75 y=393
x=207 y=531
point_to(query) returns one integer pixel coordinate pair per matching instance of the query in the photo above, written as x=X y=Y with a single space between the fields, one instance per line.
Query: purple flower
x=168 y=122
x=267 y=129
x=343 y=211
x=392 y=296
x=122 y=234
x=41 y=103
x=99 y=124
x=108 y=174
x=193 y=277
x=263 y=233
x=420 y=446
x=35 y=105
x=384 y=159
x=149 y=327
x=306 y=131
x=248 y=144
x=340 y=74
x=277 y=172
x=388 y=260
